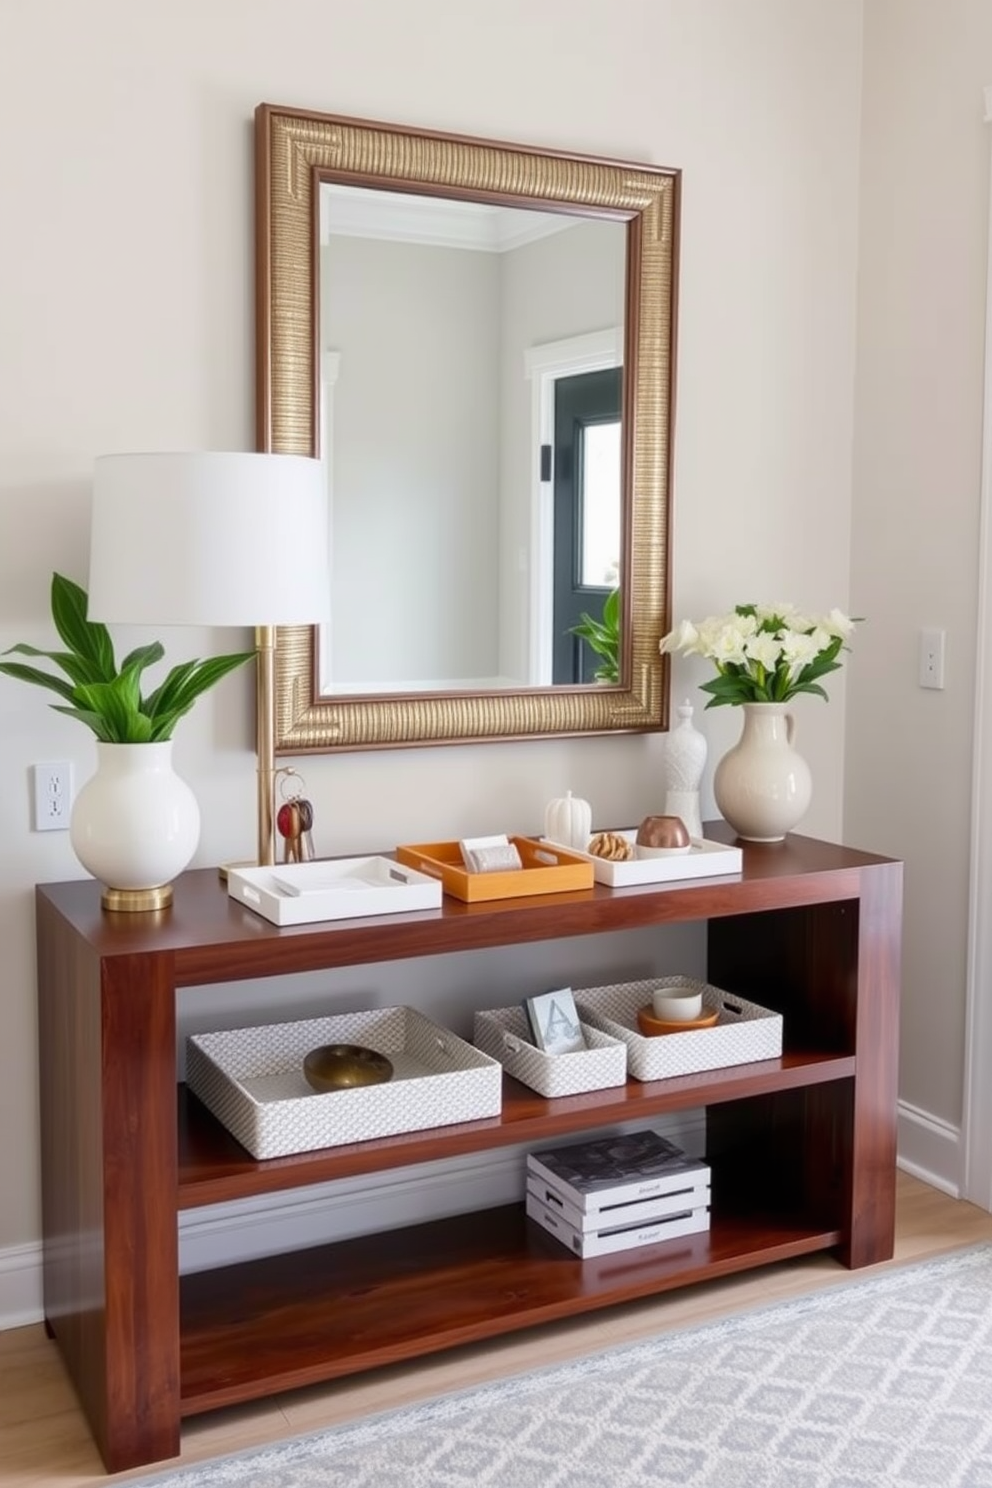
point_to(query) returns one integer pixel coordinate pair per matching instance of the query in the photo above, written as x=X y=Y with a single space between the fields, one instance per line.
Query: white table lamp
x=214 y=539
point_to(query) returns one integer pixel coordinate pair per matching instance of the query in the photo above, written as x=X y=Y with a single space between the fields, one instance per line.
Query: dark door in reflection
x=587 y=512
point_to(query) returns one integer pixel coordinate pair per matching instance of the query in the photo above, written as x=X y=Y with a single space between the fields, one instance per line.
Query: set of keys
x=294 y=819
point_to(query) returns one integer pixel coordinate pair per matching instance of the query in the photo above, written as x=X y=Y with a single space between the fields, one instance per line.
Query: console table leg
x=109 y=1143
x=873 y=1159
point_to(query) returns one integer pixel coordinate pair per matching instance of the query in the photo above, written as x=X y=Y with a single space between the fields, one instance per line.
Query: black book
x=634 y=1165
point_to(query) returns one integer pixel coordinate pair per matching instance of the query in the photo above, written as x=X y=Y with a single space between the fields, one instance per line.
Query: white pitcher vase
x=762 y=786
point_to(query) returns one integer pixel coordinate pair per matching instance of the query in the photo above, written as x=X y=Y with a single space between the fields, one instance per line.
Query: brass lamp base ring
x=137 y=901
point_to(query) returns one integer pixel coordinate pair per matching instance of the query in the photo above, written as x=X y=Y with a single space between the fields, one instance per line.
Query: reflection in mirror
x=479 y=340
x=431 y=310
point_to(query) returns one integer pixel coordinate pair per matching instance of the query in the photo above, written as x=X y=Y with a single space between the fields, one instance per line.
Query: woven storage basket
x=503 y=1033
x=252 y=1080
x=744 y=1032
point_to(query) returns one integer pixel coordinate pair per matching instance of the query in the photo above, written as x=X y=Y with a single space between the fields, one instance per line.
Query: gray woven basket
x=503 y=1034
x=744 y=1032
x=252 y=1080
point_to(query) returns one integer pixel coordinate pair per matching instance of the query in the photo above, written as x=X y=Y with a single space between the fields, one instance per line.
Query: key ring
x=294 y=818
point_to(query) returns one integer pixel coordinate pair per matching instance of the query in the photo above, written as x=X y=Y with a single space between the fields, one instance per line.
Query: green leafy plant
x=763 y=654
x=107 y=699
x=603 y=637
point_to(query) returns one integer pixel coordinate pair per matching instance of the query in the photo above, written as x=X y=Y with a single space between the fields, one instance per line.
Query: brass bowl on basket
x=344 y=1066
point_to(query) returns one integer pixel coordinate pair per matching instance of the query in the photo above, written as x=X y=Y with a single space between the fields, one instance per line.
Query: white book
x=588 y=1243
x=611 y=1170
x=694 y=1193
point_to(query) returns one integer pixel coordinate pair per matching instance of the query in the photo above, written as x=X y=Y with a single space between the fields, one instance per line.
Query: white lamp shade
x=209 y=539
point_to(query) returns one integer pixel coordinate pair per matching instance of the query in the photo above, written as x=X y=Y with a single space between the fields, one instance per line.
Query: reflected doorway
x=586 y=466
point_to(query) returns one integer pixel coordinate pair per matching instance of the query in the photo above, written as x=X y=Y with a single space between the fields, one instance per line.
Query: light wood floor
x=44 y=1438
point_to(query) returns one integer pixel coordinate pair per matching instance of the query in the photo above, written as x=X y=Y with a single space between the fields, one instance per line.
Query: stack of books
x=616 y=1193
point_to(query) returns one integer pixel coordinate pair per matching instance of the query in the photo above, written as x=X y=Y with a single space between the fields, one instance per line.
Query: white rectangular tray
x=333 y=889
x=587 y=1243
x=252 y=1080
x=743 y=1032
x=503 y=1034
x=703 y=860
x=694 y=1194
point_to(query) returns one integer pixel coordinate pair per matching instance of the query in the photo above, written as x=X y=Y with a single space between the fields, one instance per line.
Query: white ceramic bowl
x=677 y=1004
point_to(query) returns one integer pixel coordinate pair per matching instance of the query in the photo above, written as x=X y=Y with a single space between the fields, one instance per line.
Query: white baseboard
x=930 y=1149
x=226 y=1233
x=20 y=1286
x=223 y=1234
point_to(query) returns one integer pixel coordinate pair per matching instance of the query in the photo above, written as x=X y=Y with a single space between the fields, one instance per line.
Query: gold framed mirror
x=482 y=534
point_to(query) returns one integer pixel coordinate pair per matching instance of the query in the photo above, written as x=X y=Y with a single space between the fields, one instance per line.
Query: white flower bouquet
x=763 y=654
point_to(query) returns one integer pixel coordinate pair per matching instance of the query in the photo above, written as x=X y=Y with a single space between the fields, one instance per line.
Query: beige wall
x=126 y=276
x=917 y=469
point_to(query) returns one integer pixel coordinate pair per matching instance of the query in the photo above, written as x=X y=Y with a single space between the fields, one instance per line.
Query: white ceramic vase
x=684 y=763
x=762 y=785
x=135 y=824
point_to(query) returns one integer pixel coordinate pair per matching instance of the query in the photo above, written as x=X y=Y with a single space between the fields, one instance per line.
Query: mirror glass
x=478 y=340
x=431 y=312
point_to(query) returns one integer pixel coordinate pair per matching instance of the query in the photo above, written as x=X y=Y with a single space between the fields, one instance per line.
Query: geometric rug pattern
x=884 y=1382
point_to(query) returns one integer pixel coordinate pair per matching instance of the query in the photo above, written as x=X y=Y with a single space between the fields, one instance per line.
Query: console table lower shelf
x=286 y=1321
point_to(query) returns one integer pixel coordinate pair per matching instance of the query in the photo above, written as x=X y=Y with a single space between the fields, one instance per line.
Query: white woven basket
x=503 y=1033
x=252 y=1080
x=744 y=1032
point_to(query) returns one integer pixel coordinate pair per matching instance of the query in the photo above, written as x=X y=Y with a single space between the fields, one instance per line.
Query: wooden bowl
x=650 y=1025
x=343 y=1066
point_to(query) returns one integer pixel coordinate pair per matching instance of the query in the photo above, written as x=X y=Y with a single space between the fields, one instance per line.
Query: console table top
x=213 y=937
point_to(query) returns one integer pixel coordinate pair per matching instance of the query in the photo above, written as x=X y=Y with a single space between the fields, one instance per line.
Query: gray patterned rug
x=878 y=1383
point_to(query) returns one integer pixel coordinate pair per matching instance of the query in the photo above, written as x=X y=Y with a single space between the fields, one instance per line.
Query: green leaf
x=603 y=637
x=143 y=657
x=732 y=688
x=93 y=721
x=89 y=640
x=810 y=687
x=105 y=700
x=33 y=675
x=118 y=702
x=186 y=682
x=75 y=667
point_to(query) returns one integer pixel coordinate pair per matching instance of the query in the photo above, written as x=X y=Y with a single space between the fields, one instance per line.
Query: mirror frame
x=295 y=150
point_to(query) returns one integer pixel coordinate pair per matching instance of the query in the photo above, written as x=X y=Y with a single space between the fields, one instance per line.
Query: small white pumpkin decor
x=568 y=821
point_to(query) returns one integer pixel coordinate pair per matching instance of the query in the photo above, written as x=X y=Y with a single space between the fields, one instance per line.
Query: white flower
x=726 y=641
x=838 y=624
x=682 y=638
x=765 y=649
x=799 y=650
x=766 y=654
x=792 y=618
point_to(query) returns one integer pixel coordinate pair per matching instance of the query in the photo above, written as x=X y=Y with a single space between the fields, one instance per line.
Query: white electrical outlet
x=52 y=796
x=932 y=658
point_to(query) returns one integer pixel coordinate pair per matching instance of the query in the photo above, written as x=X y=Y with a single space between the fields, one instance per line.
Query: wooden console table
x=802 y=1147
